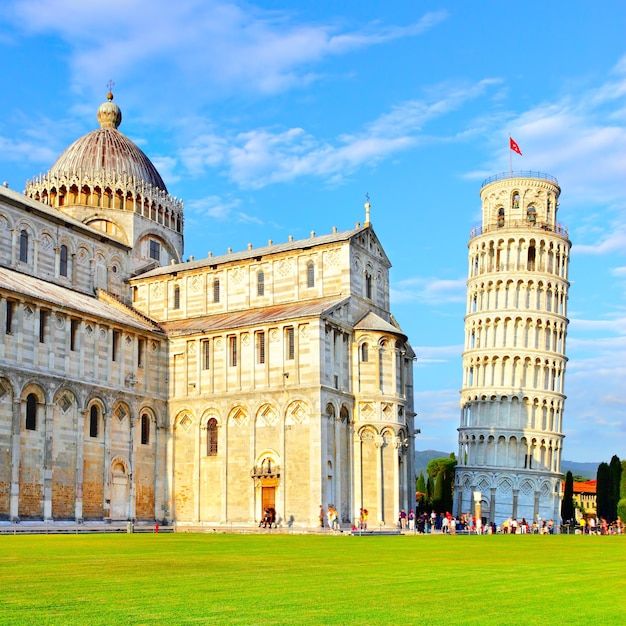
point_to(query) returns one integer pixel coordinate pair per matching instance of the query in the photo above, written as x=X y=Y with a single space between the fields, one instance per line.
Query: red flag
x=514 y=146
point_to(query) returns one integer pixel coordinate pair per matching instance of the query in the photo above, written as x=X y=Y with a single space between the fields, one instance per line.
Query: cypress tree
x=567 y=506
x=420 y=488
x=429 y=492
x=621 y=504
x=615 y=468
x=603 y=491
x=438 y=495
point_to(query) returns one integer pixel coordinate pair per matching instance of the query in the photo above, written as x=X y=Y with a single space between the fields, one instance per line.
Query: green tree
x=567 y=506
x=621 y=504
x=438 y=497
x=603 y=490
x=615 y=468
x=429 y=492
x=442 y=472
x=420 y=492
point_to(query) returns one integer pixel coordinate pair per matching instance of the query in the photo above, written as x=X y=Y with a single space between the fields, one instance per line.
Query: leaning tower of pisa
x=511 y=432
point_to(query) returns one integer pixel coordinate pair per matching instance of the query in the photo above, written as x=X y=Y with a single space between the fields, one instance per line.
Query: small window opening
x=63 y=261
x=24 y=246
x=310 y=274
x=31 y=412
x=145 y=430
x=93 y=421
x=290 y=338
x=260 y=347
x=206 y=355
x=212 y=437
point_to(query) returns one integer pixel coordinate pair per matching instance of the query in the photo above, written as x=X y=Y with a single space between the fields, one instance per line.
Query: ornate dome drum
x=105 y=181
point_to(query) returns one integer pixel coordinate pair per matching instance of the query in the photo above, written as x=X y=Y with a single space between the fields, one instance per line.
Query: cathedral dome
x=107 y=151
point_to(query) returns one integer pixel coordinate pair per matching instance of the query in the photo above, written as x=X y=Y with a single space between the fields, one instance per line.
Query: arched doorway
x=120 y=489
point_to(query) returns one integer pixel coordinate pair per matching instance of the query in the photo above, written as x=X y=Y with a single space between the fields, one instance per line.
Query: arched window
x=531 y=257
x=31 y=411
x=516 y=200
x=176 y=297
x=368 y=285
x=310 y=274
x=216 y=290
x=145 y=429
x=364 y=352
x=501 y=217
x=24 y=247
x=211 y=439
x=63 y=261
x=260 y=284
x=94 y=416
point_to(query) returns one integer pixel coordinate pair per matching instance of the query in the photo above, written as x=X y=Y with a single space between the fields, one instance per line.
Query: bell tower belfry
x=512 y=398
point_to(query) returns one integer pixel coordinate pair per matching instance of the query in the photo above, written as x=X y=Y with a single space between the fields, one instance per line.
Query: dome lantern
x=109 y=114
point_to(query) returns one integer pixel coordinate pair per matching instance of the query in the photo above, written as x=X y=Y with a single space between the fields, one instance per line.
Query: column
x=224 y=441
x=158 y=471
x=457 y=505
x=357 y=474
x=397 y=450
x=168 y=487
x=132 y=461
x=47 y=462
x=380 y=495
x=15 y=460
x=536 y=505
x=106 y=488
x=337 y=466
x=80 y=460
x=201 y=436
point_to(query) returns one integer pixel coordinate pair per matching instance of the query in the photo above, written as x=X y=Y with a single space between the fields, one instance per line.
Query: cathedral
x=137 y=385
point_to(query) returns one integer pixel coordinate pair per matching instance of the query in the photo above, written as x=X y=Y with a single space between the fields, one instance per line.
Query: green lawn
x=310 y=579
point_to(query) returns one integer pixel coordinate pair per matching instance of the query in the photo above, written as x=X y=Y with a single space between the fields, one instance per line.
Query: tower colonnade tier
x=514 y=359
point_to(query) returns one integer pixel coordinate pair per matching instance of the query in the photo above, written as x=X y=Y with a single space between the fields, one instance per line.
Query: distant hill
x=424 y=456
x=587 y=470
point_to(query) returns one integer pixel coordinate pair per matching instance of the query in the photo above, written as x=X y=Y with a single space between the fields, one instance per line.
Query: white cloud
x=232 y=45
x=212 y=206
x=581 y=136
x=437 y=354
x=612 y=241
x=429 y=290
x=29 y=151
x=264 y=156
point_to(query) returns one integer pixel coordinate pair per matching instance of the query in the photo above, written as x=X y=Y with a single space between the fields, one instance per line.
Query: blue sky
x=272 y=119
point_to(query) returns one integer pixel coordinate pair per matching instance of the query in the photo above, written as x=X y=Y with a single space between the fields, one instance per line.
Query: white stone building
x=134 y=385
x=512 y=399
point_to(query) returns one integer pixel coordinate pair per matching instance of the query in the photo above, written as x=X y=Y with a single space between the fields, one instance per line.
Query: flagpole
x=510 y=158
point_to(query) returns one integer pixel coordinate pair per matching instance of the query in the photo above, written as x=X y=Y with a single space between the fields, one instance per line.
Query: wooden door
x=268 y=497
